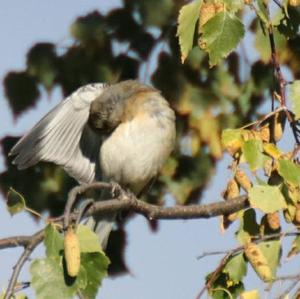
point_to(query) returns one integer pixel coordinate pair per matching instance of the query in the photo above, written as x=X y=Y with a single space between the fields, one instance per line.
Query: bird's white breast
x=137 y=149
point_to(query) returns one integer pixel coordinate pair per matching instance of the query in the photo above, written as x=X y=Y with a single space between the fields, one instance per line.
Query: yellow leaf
x=272 y=150
x=207 y=11
x=279 y=123
x=294 y=2
x=250 y=295
x=232 y=191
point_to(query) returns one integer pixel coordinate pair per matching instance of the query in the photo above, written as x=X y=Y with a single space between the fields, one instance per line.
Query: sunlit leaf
x=53 y=241
x=254 y=294
x=272 y=150
x=95 y=265
x=289 y=171
x=262 y=43
x=88 y=240
x=233 y=5
x=252 y=152
x=221 y=34
x=187 y=19
x=269 y=199
x=48 y=279
x=272 y=252
x=262 y=11
x=295 y=97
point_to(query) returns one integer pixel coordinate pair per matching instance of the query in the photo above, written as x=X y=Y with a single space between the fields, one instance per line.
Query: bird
x=121 y=133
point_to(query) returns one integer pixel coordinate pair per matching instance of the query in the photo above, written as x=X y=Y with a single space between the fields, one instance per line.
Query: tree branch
x=124 y=202
x=34 y=241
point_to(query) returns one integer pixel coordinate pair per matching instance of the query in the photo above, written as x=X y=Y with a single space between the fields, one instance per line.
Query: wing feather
x=63 y=137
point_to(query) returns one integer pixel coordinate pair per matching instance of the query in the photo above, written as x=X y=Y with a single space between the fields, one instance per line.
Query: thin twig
x=288 y=277
x=288 y=290
x=215 y=274
x=278 y=3
x=126 y=201
x=258 y=122
x=35 y=240
x=280 y=79
x=255 y=239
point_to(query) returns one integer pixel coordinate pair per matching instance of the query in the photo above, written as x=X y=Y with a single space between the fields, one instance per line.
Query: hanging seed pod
x=258 y=261
x=273 y=220
x=243 y=180
x=279 y=123
x=72 y=252
x=265 y=133
x=297 y=214
x=232 y=191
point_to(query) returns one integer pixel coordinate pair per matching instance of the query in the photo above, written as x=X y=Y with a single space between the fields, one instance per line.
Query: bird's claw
x=116 y=189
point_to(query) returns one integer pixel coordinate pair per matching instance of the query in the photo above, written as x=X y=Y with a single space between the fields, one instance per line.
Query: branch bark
x=125 y=201
x=31 y=245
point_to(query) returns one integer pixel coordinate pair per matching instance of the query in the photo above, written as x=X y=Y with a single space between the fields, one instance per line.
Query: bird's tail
x=102 y=226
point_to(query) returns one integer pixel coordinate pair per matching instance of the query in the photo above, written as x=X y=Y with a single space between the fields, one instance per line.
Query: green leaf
x=289 y=171
x=95 y=265
x=262 y=43
x=294 y=89
x=236 y=268
x=88 y=240
x=278 y=18
x=15 y=202
x=54 y=242
x=272 y=251
x=269 y=199
x=188 y=17
x=233 y=5
x=49 y=274
x=262 y=11
x=248 y=226
x=252 y=151
x=224 y=288
x=15 y=296
x=49 y=281
x=221 y=35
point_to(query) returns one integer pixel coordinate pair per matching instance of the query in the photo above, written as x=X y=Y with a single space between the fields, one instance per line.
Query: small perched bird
x=122 y=133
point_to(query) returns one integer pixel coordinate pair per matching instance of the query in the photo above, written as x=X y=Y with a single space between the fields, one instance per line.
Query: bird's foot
x=116 y=189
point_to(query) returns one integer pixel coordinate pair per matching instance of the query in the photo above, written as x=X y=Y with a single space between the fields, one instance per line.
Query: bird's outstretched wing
x=64 y=137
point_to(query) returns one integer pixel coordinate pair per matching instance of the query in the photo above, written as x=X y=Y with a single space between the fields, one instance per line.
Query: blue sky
x=163 y=265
